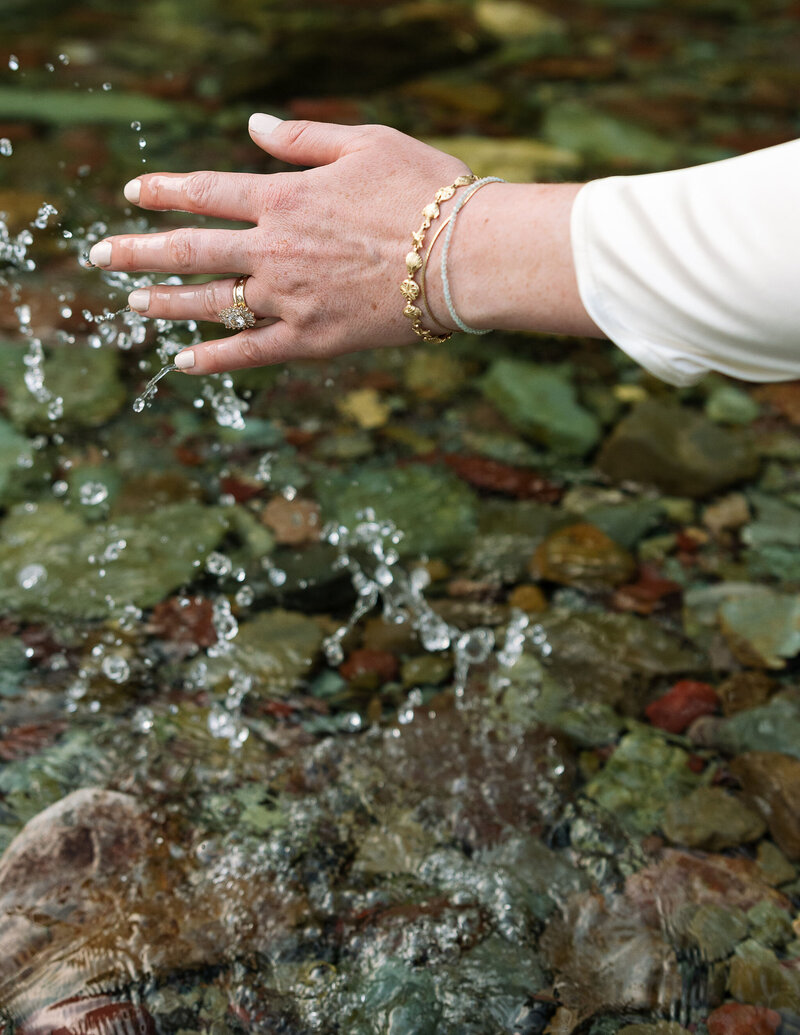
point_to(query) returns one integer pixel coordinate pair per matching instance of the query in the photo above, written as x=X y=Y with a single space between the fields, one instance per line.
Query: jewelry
x=410 y=289
x=239 y=316
x=423 y=300
x=445 y=250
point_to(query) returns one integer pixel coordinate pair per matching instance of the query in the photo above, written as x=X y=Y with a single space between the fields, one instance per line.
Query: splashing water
x=145 y=398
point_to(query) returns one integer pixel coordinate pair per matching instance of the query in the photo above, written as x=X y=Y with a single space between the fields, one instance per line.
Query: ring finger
x=197 y=301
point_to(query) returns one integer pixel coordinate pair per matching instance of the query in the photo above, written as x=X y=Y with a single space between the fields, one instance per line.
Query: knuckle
x=283 y=193
x=210 y=300
x=199 y=188
x=249 y=346
x=296 y=130
x=181 y=249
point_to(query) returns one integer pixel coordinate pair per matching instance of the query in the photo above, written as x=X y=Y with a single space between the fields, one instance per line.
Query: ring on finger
x=239 y=316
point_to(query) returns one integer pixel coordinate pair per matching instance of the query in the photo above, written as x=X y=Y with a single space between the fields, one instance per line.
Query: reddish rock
x=494 y=476
x=783 y=397
x=242 y=489
x=772 y=783
x=188 y=621
x=739 y=1019
x=369 y=668
x=29 y=739
x=684 y=702
x=294 y=522
x=646 y=594
x=99 y=1015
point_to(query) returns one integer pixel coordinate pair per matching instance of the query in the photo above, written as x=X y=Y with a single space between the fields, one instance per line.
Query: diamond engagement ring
x=239 y=316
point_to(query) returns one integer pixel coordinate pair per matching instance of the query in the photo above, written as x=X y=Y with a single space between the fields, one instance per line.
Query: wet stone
x=581 y=555
x=294 y=522
x=711 y=819
x=741 y=1019
x=774 y=865
x=677 y=450
x=758 y=976
x=762 y=627
x=540 y=402
x=730 y=405
x=656 y=1028
x=427 y=670
x=770 y=925
x=774 y=726
x=684 y=702
x=717 y=930
x=744 y=690
x=772 y=782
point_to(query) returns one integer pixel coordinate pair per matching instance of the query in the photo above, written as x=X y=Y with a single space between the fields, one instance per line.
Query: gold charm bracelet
x=410 y=289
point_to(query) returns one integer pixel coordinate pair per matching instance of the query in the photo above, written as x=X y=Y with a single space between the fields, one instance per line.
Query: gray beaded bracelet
x=446 y=249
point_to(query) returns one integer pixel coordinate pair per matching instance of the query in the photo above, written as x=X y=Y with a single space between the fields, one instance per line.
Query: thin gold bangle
x=423 y=298
x=410 y=289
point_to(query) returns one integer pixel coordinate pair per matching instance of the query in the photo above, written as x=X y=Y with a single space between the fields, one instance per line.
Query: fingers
x=304 y=143
x=178 y=251
x=222 y=195
x=260 y=346
x=195 y=301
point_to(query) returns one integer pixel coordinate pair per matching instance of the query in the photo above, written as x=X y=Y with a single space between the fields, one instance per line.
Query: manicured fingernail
x=139 y=300
x=262 y=125
x=185 y=359
x=100 y=255
x=132 y=190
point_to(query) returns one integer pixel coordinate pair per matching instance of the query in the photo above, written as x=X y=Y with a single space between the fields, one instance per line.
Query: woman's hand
x=325 y=249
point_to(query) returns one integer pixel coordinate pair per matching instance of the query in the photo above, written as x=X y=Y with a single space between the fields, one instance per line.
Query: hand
x=325 y=250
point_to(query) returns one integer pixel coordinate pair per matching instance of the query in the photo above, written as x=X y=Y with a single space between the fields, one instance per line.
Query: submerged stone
x=54 y=564
x=540 y=402
x=433 y=509
x=771 y=781
x=640 y=780
x=741 y=1019
x=676 y=449
x=581 y=555
x=758 y=976
x=762 y=627
x=772 y=727
x=711 y=819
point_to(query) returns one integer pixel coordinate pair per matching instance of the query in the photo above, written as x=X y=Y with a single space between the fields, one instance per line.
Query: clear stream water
x=292 y=737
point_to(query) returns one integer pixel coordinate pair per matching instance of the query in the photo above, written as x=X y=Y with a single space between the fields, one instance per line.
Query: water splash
x=145 y=398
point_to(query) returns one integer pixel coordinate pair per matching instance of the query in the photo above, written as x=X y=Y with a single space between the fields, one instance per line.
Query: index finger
x=221 y=195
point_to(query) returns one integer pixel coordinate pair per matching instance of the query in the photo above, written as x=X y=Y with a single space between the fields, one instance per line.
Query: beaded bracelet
x=410 y=289
x=446 y=249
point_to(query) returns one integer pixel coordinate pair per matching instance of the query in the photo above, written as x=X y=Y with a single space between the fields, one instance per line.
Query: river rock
x=434 y=509
x=52 y=563
x=740 y=1019
x=774 y=726
x=744 y=690
x=711 y=819
x=676 y=449
x=581 y=555
x=758 y=976
x=762 y=626
x=540 y=402
x=684 y=702
x=772 y=782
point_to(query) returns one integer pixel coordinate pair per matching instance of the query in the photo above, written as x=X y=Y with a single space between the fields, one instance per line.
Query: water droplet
x=64 y=59
x=136 y=126
x=106 y=86
x=6 y=147
x=31 y=575
x=142 y=143
x=92 y=493
x=13 y=62
x=115 y=668
x=218 y=564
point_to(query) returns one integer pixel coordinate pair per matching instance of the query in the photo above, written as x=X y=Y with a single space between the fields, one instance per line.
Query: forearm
x=510 y=262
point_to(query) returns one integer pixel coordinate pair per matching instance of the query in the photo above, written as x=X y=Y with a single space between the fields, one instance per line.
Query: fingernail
x=100 y=254
x=262 y=125
x=185 y=359
x=139 y=300
x=132 y=190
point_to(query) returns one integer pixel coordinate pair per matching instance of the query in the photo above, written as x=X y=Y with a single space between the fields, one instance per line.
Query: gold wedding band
x=239 y=316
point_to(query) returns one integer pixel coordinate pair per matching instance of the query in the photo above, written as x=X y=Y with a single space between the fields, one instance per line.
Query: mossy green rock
x=45 y=551
x=676 y=449
x=85 y=378
x=711 y=819
x=757 y=976
x=540 y=402
x=717 y=930
x=640 y=779
x=276 y=649
x=434 y=510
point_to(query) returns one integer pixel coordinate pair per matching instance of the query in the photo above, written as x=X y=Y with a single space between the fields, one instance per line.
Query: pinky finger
x=258 y=347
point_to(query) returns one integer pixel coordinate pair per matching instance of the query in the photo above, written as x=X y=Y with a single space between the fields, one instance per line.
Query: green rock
x=600 y=137
x=762 y=626
x=540 y=402
x=640 y=779
x=275 y=648
x=427 y=670
x=774 y=865
x=13 y=449
x=54 y=564
x=533 y=696
x=774 y=726
x=435 y=511
x=402 y=1000
x=85 y=378
x=729 y=405
x=758 y=976
x=711 y=819
x=769 y=924
x=717 y=930
x=676 y=449
x=773 y=538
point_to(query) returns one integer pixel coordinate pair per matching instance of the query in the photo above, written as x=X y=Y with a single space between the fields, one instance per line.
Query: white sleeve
x=697 y=269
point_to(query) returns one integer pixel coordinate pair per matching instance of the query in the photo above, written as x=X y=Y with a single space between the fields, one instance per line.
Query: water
x=423 y=842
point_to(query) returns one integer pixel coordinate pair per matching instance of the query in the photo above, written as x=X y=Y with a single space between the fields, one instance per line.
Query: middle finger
x=187 y=250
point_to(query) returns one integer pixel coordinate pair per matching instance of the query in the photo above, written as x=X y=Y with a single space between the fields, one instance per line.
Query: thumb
x=301 y=142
